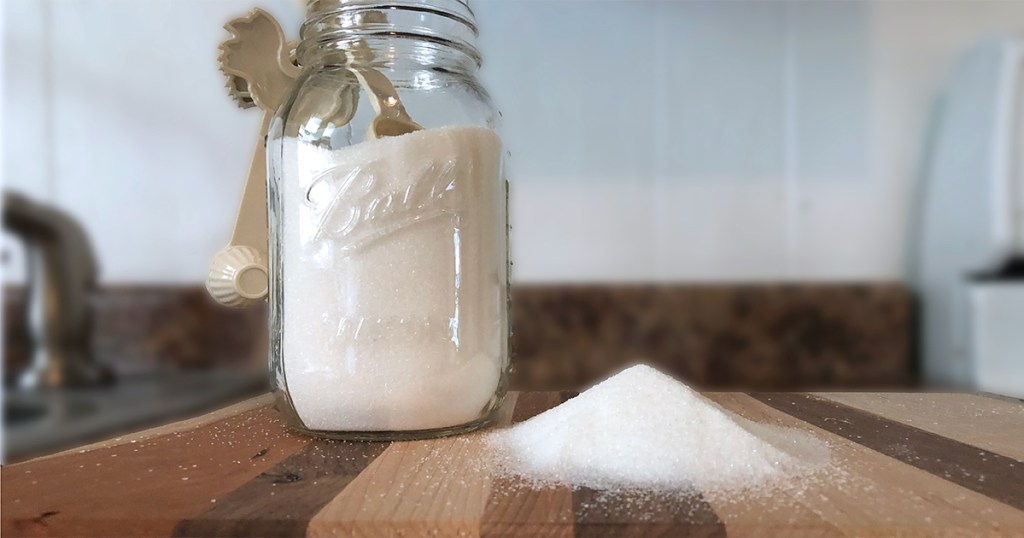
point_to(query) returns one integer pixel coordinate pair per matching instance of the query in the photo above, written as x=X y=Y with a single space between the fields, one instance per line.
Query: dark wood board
x=912 y=465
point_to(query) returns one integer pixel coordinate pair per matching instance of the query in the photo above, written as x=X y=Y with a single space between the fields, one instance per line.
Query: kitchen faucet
x=61 y=275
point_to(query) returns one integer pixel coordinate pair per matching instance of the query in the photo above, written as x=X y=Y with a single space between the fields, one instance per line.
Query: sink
x=40 y=422
x=16 y=412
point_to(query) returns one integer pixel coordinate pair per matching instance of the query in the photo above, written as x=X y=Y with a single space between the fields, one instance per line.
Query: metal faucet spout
x=62 y=274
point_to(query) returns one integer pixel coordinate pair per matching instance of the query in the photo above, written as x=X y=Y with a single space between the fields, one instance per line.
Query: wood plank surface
x=516 y=508
x=186 y=425
x=144 y=488
x=281 y=500
x=998 y=477
x=868 y=493
x=982 y=421
x=420 y=487
x=903 y=464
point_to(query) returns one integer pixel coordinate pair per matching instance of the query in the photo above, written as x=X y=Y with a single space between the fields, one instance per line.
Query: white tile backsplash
x=574 y=80
x=583 y=231
x=136 y=135
x=142 y=163
x=651 y=140
x=26 y=119
x=730 y=229
x=721 y=103
x=828 y=79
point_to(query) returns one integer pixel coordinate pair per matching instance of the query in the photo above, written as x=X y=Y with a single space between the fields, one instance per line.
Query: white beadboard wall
x=651 y=140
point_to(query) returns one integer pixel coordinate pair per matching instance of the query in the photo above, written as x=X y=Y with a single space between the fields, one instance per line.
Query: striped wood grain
x=515 y=508
x=144 y=488
x=871 y=493
x=998 y=477
x=906 y=465
x=985 y=422
x=422 y=487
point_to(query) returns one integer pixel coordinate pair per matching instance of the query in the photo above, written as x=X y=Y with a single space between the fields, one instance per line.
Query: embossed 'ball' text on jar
x=388 y=227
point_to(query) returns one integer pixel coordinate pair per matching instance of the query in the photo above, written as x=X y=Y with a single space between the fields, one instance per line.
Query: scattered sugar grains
x=644 y=430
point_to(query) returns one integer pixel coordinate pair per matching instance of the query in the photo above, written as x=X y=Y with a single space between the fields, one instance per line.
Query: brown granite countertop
x=753 y=336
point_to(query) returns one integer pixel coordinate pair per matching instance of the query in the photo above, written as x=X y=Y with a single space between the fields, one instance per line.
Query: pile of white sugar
x=642 y=429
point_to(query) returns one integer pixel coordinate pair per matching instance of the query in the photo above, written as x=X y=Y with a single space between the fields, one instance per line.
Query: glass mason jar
x=388 y=227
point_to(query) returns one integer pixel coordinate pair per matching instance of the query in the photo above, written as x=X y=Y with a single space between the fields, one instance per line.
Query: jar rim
x=445 y=22
x=459 y=10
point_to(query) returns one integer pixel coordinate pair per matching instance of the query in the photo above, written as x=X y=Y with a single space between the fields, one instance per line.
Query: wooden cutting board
x=911 y=464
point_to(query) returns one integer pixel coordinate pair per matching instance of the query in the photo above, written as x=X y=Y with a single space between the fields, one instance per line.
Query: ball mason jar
x=387 y=208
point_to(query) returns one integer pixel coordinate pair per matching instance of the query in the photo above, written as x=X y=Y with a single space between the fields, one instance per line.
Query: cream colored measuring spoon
x=391 y=119
x=257 y=60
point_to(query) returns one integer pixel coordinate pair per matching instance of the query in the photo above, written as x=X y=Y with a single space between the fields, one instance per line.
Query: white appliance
x=972 y=225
